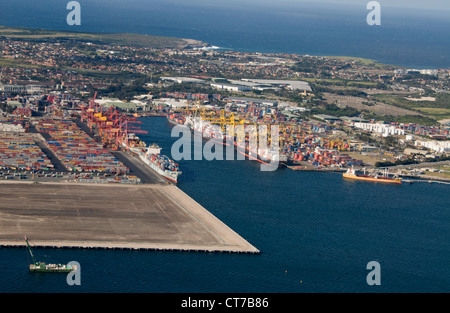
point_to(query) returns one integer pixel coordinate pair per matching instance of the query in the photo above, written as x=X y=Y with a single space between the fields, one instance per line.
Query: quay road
x=139 y=168
x=420 y=165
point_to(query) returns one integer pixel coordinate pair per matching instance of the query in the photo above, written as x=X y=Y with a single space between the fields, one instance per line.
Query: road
x=139 y=168
x=428 y=164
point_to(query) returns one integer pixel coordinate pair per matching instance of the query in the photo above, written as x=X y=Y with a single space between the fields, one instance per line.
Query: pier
x=111 y=216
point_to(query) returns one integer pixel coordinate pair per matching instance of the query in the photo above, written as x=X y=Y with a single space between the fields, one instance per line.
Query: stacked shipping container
x=19 y=151
x=76 y=150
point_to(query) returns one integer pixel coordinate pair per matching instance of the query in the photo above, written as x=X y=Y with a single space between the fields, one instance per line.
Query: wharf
x=309 y=167
x=411 y=181
x=148 y=216
x=425 y=178
x=138 y=168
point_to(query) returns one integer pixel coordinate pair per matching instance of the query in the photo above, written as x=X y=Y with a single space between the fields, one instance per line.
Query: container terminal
x=75 y=182
x=318 y=143
x=300 y=143
x=87 y=187
x=98 y=145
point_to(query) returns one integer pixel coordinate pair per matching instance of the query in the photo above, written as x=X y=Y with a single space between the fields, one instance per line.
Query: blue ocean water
x=407 y=36
x=316 y=233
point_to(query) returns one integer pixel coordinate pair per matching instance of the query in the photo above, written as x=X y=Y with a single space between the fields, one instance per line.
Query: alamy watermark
x=374 y=276
x=374 y=16
x=74 y=16
x=74 y=277
x=250 y=141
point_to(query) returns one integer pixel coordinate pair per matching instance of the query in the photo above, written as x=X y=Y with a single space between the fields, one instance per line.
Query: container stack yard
x=308 y=144
x=76 y=150
x=304 y=143
x=11 y=126
x=19 y=151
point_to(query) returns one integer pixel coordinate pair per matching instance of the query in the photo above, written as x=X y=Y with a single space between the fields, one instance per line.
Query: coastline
x=133 y=39
x=154 y=41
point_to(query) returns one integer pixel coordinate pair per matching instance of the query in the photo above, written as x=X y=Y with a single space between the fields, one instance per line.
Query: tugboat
x=41 y=267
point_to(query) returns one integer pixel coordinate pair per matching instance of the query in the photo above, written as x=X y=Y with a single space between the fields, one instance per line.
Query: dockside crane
x=31 y=252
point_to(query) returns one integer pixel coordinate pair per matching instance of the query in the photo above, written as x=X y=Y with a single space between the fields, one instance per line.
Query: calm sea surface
x=316 y=232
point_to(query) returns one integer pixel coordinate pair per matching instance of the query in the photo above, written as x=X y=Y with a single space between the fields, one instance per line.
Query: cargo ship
x=160 y=163
x=152 y=156
x=248 y=146
x=214 y=132
x=241 y=141
x=206 y=129
x=176 y=119
x=42 y=267
x=131 y=141
x=381 y=178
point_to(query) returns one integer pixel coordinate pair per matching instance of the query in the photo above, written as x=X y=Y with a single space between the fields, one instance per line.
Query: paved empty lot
x=112 y=216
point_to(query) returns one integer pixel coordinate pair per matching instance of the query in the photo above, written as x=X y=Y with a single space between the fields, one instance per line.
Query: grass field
x=103 y=74
x=437 y=110
x=438 y=113
x=4 y=62
x=339 y=82
x=138 y=40
x=364 y=62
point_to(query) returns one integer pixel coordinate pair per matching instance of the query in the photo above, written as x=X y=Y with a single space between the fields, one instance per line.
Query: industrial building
x=327 y=118
x=172 y=103
x=21 y=89
x=183 y=80
x=245 y=101
x=289 y=84
x=230 y=87
x=113 y=102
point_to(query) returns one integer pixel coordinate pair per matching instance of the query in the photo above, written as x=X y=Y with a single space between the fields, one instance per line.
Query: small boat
x=42 y=267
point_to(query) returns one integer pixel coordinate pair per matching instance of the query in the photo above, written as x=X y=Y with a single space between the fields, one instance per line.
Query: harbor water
x=316 y=232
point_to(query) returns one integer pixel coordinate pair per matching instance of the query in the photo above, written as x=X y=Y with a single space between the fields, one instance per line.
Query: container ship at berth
x=160 y=163
x=152 y=156
x=176 y=119
x=211 y=131
x=381 y=178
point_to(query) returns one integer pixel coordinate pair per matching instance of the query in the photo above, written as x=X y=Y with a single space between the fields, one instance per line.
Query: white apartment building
x=383 y=129
x=437 y=146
